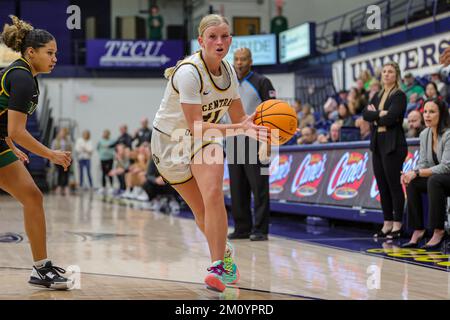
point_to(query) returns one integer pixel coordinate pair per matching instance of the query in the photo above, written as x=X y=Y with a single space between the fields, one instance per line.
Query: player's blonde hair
x=210 y=20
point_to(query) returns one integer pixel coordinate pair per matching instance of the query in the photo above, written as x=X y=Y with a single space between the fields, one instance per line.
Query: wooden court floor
x=126 y=253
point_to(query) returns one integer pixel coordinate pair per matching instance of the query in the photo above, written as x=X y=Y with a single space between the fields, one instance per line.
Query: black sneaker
x=48 y=276
x=239 y=235
x=258 y=237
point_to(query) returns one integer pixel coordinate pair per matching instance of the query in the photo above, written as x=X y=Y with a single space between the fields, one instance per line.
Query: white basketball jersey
x=215 y=98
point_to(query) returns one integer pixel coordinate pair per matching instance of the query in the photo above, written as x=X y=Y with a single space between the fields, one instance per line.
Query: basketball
x=277 y=114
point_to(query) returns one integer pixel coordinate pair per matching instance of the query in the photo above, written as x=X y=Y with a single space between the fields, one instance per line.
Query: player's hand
x=264 y=153
x=61 y=158
x=260 y=133
x=445 y=57
x=22 y=156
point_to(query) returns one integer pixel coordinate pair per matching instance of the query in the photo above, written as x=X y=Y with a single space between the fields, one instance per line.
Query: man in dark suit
x=246 y=178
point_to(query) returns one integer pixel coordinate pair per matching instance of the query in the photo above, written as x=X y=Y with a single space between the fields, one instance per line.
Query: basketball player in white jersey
x=201 y=89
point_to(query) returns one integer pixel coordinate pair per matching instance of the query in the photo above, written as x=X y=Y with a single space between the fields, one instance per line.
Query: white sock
x=40 y=263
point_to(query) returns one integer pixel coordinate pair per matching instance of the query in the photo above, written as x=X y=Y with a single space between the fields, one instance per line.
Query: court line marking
x=312 y=242
x=367 y=254
x=181 y=281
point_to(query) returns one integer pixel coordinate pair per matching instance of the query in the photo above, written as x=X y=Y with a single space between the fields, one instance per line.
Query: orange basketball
x=277 y=114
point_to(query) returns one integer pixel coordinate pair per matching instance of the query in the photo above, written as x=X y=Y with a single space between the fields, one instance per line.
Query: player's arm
x=236 y=111
x=19 y=154
x=194 y=118
x=21 y=93
x=187 y=82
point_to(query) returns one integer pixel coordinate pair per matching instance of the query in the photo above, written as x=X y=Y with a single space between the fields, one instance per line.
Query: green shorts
x=6 y=155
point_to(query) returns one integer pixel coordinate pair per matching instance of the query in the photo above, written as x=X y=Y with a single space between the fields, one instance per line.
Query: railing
x=333 y=32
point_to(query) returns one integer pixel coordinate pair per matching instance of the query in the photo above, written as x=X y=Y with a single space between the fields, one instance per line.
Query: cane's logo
x=374 y=192
x=348 y=176
x=410 y=161
x=309 y=175
x=226 y=178
x=279 y=172
x=409 y=164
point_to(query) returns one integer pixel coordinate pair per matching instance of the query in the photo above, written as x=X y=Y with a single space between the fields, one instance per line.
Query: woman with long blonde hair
x=388 y=145
x=201 y=89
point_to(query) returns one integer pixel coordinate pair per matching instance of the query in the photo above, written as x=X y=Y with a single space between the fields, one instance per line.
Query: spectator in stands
x=333 y=136
x=441 y=86
x=307 y=119
x=344 y=116
x=121 y=164
x=364 y=128
x=143 y=134
x=136 y=171
x=343 y=96
x=431 y=176
x=431 y=92
x=415 y=124
x=106 y=155
x=298 y=109
x=330 y=109
x=64 y=143
x=410 y=86
x=377 y=74
x=359 y=85
x=445 y=57
x=356 y=101
x=335 y=131
x=388 y=145
x=413 y=104
x=124 y=138
x=279 y=23
x=322 y=138
x=84 y=149
x=161 y=195
x=155 y=23
x=374 y=88
x=366 y=79
x=308 y=136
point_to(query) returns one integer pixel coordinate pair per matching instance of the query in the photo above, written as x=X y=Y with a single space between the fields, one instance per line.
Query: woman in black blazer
x=389 y=149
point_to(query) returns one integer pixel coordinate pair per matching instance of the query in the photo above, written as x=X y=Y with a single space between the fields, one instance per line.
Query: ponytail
x=21 y=35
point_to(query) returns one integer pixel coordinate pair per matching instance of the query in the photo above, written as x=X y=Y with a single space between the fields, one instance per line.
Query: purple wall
x=7 y=7
x=50 y=15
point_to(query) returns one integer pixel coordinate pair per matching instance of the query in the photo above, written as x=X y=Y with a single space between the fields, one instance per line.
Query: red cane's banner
x=309 y=175
x=347 y=176
x=279 y=170
x=410 y=163
x=340 y=177
x=226 y=178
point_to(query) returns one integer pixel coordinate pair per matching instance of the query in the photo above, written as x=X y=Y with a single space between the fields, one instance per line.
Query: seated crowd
x=340 y=117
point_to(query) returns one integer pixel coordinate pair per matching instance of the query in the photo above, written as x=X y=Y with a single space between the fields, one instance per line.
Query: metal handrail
x=356 y=17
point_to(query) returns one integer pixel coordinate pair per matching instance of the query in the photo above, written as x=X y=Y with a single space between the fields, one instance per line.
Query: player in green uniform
x=19 y=92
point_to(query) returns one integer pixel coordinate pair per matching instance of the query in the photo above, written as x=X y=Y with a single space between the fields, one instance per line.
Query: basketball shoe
x=214 y=279
x=48 y=276
x=232 y=275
